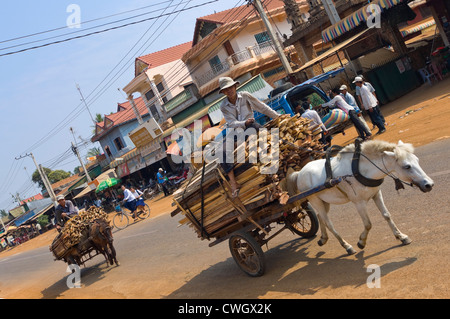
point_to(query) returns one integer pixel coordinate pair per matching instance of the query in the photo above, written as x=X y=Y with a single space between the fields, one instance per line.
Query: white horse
x=385 y=158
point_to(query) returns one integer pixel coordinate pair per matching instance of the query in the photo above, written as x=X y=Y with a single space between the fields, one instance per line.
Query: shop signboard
x=122 y=170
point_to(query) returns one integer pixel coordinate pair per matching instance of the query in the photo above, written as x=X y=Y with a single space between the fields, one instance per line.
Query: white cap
x=343 y=87
x=59 y=197
x=358 y=79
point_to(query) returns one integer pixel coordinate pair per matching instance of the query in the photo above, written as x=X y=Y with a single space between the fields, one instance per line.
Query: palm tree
x=98 y=119
x=93 y=151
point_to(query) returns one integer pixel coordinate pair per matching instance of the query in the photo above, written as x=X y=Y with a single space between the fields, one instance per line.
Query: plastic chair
x=434 y=68
x=427 y=75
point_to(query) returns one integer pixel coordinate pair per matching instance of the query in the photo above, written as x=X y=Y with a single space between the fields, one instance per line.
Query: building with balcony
x=235 y=43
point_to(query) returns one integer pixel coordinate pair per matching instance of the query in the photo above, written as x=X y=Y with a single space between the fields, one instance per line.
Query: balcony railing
x=238 y=57
x=213 y=72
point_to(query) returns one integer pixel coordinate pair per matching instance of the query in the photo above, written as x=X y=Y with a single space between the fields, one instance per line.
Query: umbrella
x=107 y=184
x=173 y=149
x=209 y=135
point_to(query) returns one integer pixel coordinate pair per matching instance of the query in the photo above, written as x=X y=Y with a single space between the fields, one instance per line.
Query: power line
x=84 y=22
x=96 y=32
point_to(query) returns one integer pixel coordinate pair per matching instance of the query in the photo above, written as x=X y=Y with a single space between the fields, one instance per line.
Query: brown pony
x=100 y=235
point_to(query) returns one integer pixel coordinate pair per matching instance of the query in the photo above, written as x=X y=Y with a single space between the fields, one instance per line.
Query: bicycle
x=121 y=219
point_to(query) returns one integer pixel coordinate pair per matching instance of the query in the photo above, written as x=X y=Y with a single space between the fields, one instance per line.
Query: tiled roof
x=124 y=115
x=165 y=56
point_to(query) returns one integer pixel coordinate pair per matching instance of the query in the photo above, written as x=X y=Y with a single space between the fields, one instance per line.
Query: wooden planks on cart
x=205 y=200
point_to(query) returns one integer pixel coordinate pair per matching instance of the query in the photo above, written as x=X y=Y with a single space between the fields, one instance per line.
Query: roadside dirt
x=419 y=117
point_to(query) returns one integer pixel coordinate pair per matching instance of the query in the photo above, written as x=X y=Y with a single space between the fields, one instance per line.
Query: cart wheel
x=305 y=223
x=247 y=254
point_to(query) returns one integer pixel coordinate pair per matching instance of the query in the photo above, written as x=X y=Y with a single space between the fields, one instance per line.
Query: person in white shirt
x=371 y=90
x=237 y=109
x=352 y=101
x=129 y=200
x=306 y=112
x=369 y=103
x=338 y=101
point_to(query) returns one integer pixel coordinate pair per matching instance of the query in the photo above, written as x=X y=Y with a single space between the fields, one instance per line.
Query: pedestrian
x=162 y=180
x=369 y=103
x=237 y=109
x=64 y=211
x=305 y=112
x=351 y=101
x=371 y=90
x=129 y=201
x=338 y=101
x=39 y=228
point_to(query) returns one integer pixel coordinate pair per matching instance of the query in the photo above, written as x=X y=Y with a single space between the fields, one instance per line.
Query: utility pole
x=331 y=11
x=44 y=178
x=84 y=101
x=75 y=150
x=272 y=35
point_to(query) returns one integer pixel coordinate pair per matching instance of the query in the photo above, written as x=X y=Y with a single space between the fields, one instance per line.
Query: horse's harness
x=369 y=182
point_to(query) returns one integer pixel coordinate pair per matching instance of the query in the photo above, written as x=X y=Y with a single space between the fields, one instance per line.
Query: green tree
x=93 y=151
x=53 y=176
x=98 y=119
x=57 y=175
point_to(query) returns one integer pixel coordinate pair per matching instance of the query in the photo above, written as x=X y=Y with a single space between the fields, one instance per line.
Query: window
x=216 y=65
x=149 y=95
x=108 y=151
x=164 y=99
x=262 y=37
x=160 y=87
x=118 y=143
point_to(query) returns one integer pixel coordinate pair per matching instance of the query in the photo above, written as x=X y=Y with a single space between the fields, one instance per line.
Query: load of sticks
x=74 y=227
x=205 y=200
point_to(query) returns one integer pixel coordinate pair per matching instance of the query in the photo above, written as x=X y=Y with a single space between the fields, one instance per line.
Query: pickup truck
x=283 y=102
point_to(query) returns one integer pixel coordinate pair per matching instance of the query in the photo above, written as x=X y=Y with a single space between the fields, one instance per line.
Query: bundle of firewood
x=73 y=228
x=205 y=200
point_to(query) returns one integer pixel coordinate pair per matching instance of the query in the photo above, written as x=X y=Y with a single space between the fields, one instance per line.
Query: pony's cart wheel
x=247 y=254
x=304 y=223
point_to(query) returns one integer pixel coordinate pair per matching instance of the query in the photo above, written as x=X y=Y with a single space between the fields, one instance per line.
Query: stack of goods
x=205 y=200
x=75 y=228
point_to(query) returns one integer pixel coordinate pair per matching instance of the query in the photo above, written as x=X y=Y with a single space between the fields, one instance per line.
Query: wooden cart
x=250 y=224
x=77 y=254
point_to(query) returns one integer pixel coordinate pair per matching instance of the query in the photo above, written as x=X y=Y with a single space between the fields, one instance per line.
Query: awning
x=355 y=19
x=331 y=51
x=111 y=173
x=129 y=155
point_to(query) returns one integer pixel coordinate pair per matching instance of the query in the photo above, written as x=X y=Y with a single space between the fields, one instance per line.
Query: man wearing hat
x=351 y=101
x=370 y=103
x=237 y=110
x=64 y=211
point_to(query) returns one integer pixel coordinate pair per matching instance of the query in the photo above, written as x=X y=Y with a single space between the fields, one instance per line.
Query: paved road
x=161 y=260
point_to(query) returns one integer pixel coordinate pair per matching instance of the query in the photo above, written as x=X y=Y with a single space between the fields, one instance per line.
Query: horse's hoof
x=320 y=242
x=406 y=241
x=361 y=246
x=351 y=251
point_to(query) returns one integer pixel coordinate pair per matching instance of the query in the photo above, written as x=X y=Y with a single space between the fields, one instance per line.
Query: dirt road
x=419 y=118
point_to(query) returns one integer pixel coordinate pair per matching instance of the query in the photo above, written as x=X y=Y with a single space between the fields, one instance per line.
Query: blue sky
x=39 y=98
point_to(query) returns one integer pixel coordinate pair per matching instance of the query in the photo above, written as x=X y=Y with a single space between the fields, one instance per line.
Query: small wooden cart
x=252 y=223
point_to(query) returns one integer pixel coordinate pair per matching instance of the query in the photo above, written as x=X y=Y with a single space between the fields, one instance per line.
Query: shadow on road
x=89 y=275
x=290 y=269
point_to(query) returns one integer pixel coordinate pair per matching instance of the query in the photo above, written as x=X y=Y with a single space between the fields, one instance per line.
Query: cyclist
x=137 y=194
x=129 y=200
